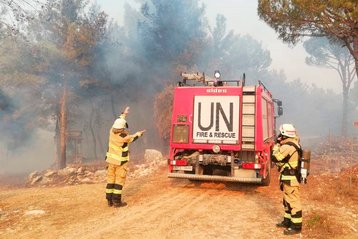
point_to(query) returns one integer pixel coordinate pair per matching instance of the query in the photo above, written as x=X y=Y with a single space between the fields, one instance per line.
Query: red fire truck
x=221 y=130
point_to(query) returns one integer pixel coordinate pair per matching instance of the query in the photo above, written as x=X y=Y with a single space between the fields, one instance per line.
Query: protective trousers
x=116 y=177
x=292 y=205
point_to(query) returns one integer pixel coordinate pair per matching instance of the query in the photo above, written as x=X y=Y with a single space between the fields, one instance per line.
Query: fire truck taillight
x=251 y=166
x=181 y=134
x=182 y=118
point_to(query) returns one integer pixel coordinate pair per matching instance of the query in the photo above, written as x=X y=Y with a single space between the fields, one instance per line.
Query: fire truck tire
x=208 y=170
x=266 y=181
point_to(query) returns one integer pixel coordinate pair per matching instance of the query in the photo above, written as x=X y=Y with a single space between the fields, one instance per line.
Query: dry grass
x=331 y=194
x=322 y=225
x=335 y=186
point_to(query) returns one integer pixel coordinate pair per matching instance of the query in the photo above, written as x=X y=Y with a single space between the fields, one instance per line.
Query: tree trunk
x=98 y=131
x=63 y=126
x=345 y=111
x=57 y=141
x=355 y=52
x=93 y=134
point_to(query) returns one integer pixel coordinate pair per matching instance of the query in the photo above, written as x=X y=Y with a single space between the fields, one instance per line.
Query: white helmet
x=120 y=124
x=288 y=130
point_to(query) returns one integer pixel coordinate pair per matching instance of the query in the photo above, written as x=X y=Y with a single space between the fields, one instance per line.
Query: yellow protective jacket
x=118 y=146
x=286 y=158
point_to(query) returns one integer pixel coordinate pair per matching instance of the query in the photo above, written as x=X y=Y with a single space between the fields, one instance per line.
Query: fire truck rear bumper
x=214 y=178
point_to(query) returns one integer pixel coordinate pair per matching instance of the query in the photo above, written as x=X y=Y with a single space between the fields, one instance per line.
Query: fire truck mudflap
x=221 y=131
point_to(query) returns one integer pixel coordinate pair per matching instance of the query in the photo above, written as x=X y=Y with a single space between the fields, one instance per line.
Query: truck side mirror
x=280 y=110
x=279 y=106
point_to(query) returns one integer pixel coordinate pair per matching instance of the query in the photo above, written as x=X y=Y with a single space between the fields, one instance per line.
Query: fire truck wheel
x=266 y=181
x=208 y=170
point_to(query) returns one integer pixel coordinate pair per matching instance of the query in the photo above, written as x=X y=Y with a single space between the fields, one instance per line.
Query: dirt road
x=159 y=207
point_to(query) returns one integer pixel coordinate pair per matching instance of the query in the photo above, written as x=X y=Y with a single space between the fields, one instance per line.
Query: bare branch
x=17 y=13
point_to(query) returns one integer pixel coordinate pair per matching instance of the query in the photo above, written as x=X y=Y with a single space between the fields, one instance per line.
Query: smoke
x=22 y=147
x=12 y=124
x=38 y=155
x=128 y=66
x=5 y=104
x=313 y=110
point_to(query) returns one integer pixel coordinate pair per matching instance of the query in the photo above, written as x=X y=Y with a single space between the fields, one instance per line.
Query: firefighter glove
x=140 y=133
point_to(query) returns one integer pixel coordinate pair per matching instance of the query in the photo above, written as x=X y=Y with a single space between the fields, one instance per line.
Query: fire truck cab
x=221 y=130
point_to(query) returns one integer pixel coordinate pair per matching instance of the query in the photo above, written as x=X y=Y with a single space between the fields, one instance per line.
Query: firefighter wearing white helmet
x=117 y=158
x=286 y=153
x=288 y=130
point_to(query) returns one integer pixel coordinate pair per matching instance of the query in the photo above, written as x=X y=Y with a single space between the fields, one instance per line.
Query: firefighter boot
x=120 y=204
x=285 y=223
x=110 y=203
x=291 y=231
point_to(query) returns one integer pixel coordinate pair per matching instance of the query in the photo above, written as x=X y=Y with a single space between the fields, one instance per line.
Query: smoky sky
x=5 y=103
x=136 y=60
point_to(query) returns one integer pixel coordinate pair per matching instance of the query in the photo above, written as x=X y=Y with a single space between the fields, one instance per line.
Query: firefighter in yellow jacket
x=117 y=158
x=286 y=155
